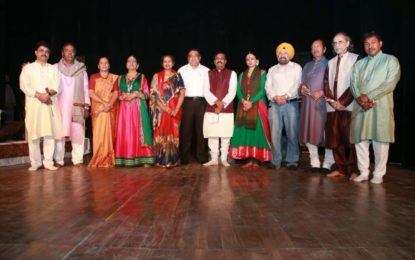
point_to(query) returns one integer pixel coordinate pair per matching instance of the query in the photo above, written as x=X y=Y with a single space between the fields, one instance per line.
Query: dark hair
x=135 y=57
x=253 y=53
x=220 y=52
x=103 y=57
x=41 y=44
x=167 y=55
x=322 y=42
x=193 y=49
x=370 y=35
x=68 y=44
x=348 y=38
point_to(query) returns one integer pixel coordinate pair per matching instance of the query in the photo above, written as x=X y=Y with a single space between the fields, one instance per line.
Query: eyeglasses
x=337 y=43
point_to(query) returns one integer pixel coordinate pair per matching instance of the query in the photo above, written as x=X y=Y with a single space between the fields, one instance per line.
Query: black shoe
x=270 y=166
x=292 y=167
x=325 y=171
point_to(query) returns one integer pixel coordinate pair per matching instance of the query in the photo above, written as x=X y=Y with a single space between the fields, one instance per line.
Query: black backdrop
x=152 y=28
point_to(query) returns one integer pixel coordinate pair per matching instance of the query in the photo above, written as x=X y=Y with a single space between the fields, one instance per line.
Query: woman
x=251 y=137
x=103 y=92
x=167 y=95
x=134 y=138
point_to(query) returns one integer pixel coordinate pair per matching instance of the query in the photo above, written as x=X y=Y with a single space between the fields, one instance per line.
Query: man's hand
x=247 y=105
x=44 y=98
x=318 y=94
x=338 y=106
x=280 y=100
x=363 y=98
x=219 y=106
x=304 y=90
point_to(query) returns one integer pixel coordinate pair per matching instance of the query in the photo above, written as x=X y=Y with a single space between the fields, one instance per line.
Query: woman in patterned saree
x=134 y=138
x=167 y=94
x=251 y=136
x=103 y=93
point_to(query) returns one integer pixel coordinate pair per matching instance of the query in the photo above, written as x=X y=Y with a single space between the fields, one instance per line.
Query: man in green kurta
x=373 y=80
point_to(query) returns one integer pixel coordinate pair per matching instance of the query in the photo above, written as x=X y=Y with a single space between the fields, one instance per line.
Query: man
x=39 y=81
x=283 y=81
x=74 y=103
x=374 y=79
x=339 y=106
x=196 y=79
x=218 y=121
x=313 y=108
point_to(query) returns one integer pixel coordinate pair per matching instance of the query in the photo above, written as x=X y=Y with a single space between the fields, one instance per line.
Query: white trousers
x=77 y=152
x=213 y=143
x=315 y=160
x=48 y=149
x=381 y=151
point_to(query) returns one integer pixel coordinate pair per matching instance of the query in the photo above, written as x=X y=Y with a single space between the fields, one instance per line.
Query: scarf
x=249 y=118
x=76 y=71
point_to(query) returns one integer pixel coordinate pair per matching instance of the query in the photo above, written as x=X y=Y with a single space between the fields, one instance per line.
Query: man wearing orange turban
x=283 y=81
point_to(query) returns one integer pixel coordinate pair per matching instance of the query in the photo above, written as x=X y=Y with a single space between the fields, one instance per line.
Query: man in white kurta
x=73 y=101
x=39 y=81
x=218 y=120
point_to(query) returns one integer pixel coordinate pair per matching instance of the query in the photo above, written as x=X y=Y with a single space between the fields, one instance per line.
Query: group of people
x=347 y=103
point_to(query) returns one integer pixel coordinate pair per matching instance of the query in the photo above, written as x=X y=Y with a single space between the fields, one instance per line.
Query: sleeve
x=206 y=84
x=293 y=91
x=354 y=81
x=231 y=91
x=268 y=85
x=261 y=92
x=25 y=85
x=393 y=75
x=209 y=96
x=346 y=98
x=115 y=85
x=326 y=85
x=56 y=80
x=144 y=86
x=86 y=89
x=92 y=81
x=238 y=88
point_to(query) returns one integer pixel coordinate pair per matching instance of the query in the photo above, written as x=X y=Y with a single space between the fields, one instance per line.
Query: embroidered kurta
x=66 y=100
x=377 y=78
x=41 y=119
x=313 y=112
x=103 y=123
x=220 y=88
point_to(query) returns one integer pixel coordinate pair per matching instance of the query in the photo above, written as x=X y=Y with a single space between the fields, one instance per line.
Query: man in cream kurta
x=39 y=81
x=218 y=120
x=73 y=100
x=373 y=80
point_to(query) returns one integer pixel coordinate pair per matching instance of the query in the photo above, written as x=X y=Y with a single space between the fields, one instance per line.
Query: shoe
x=211 y=163
x=225 y=163
x=314 y=169
x=58 y=165
x=324 y=170
x=353 y=176
x=50 y=167
x=34 y=168
x=292 y=167
x=376 y=180
x=361 y=178
x=79 y=165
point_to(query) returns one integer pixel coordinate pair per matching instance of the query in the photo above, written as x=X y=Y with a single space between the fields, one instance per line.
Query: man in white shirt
x=219 y=120
x=283 y=81
x=196 y=80
x=39 y=81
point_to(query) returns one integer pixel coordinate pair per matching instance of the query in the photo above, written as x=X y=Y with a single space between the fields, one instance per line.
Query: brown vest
x=219 y=86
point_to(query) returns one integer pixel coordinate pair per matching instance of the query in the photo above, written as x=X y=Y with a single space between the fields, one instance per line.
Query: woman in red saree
x=166 y=99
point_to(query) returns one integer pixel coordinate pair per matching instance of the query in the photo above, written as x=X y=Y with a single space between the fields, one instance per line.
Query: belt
x=195 y=98
x=293 y=100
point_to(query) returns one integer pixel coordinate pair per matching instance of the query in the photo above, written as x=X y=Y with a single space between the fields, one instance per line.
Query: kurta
x=66 y=100
x=220 y=88
x=165 y=126
x=103 y=123
x=134 y=138
x=377 y=78
x=255 y=143
x=41 y=119
x=313 y=112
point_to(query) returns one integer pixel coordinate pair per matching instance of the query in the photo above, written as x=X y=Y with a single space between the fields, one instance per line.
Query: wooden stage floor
x=194 y=212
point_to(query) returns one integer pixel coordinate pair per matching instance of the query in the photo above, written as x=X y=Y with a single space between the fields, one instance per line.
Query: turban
x=287 y=47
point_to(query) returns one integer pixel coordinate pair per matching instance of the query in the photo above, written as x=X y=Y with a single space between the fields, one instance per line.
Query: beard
x=283 y=61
